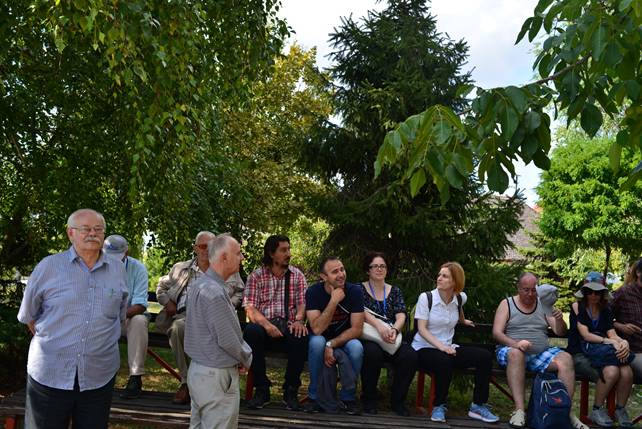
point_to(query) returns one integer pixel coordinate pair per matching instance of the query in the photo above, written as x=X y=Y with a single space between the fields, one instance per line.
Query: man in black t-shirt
x=335 y=312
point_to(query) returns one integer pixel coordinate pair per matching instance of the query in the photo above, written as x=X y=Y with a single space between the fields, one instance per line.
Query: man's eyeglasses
x=530 y=291
x=378 y=267
x=87 y=229
x=202 y=246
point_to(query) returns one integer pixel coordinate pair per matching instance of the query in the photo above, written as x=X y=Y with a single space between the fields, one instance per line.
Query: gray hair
x=525 y=275
x=217 y=245
x=71 y=220
x=203 y=233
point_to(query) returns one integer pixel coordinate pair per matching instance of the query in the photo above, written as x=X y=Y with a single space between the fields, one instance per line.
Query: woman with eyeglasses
x=436 y=316
x=387 y=303
x=607 y=352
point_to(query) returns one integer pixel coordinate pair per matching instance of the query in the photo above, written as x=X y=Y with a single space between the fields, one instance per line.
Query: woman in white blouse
x=438 y=355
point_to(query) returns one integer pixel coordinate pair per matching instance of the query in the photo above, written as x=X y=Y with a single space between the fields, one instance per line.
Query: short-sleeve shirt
x=394 y=303
x=598 y=327
x=442 y=319
x=316 y=298
x=266 y=292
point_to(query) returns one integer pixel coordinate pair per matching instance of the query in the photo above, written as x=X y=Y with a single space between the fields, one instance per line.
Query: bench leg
x=432 y=394
x=249 y=385
x=610 y=403
x=164 y=364
x=11 y=422
x=501 y=388
x=584 y=402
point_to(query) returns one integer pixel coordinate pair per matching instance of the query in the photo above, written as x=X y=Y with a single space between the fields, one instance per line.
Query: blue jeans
x=316 y=349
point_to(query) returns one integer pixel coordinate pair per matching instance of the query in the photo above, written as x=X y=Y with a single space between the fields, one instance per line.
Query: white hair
x=204 y=233
x=71 y=220
x=217 y=245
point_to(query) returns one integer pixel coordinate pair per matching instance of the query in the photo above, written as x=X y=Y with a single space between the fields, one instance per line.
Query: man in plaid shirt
x=274 y=326
x=627 y=310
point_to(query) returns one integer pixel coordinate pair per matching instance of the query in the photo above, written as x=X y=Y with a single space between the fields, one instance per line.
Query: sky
x=490 y=28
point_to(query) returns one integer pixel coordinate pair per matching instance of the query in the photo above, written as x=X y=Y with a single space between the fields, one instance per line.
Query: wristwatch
x=328 y=344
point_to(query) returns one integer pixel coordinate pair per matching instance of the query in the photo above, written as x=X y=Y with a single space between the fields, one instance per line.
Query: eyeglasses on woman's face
x=378 y=267
x=592 y=292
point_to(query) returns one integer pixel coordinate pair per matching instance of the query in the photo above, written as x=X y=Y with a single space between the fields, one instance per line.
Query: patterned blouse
x=394 y=303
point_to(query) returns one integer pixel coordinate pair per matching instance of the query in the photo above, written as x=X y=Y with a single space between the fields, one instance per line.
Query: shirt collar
x=101 y=258
x=213 y=274
x=437 y=299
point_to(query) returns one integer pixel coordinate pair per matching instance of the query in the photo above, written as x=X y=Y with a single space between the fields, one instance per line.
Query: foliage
x=388 y=65
x=583 y=205
x=14 y=336
x=306 y=239
x=116 y=106
x=589 y=63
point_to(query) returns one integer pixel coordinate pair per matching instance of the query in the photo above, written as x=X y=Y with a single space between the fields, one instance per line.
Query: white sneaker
x=576 y=423
x=517 y=419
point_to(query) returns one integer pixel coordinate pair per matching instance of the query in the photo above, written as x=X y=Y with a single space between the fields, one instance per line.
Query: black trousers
x=404 y=363
x=442 y=365
x=296 y=349
x=50 y=408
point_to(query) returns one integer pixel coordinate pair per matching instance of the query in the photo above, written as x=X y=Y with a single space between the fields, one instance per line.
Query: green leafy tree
x=116 y=106
x=589 y=65
x=583 y=205
x=388 y=65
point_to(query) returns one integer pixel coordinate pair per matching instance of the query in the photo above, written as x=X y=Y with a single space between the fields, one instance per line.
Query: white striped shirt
x=78 y=313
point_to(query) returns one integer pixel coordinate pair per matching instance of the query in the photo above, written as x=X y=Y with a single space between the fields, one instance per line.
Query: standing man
x=275 y=324
x=521 y=330
x=214 y=341
x=74 y=304
x=335 y=312
x=627 y=310
x=172 y=292
x=135 y=326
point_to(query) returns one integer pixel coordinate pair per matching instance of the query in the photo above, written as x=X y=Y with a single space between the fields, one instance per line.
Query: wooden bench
x=498 y=373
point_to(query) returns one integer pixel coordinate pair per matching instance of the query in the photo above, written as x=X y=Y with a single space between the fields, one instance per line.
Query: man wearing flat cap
x=135 y=326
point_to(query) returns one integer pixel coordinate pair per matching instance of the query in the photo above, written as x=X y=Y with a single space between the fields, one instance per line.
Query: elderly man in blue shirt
x=74 y=303
x=135 y=327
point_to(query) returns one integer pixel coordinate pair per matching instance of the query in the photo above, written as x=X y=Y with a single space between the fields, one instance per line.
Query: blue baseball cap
x=594 y=277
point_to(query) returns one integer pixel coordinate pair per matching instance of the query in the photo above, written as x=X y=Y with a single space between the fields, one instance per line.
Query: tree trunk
x=607 y=252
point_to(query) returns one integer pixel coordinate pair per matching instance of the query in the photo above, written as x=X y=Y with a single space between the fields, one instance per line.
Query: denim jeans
x=316 y=350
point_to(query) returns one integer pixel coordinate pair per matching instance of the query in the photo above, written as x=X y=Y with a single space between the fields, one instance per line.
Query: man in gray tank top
x=520 y=329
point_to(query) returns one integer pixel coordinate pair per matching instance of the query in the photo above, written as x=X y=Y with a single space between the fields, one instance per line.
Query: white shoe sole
x=476 y=416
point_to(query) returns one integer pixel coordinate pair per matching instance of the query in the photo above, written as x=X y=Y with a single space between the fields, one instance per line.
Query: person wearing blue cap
x=135 y=326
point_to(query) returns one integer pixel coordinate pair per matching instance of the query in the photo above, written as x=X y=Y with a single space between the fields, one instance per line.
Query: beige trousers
x=136 y=331
x=215 y=397
x=176 y=334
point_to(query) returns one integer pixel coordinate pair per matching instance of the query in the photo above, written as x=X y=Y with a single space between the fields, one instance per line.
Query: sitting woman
x=607 y=352
x=387 y=302
x=436 y=316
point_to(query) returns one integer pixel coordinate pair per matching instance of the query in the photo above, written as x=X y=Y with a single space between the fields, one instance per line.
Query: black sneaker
x=260 y=398
x=133 y=389
x=312 y=407
x=401 y=410
x=350 y=408
x=291 y=398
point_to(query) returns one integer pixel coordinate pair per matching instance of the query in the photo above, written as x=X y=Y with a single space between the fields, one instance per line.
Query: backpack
x=549 y=406
x=429 y=298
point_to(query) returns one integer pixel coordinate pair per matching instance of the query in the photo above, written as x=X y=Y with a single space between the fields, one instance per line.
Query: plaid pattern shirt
x=266 y=292
x=627 y=308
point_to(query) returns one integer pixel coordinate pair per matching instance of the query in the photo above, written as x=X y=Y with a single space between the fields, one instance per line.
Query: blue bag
x=549 y=406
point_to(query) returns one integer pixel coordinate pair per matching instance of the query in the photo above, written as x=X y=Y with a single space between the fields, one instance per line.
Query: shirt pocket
x=111 y=300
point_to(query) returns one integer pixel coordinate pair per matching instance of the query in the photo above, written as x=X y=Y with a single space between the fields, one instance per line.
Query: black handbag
x=281 y=323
